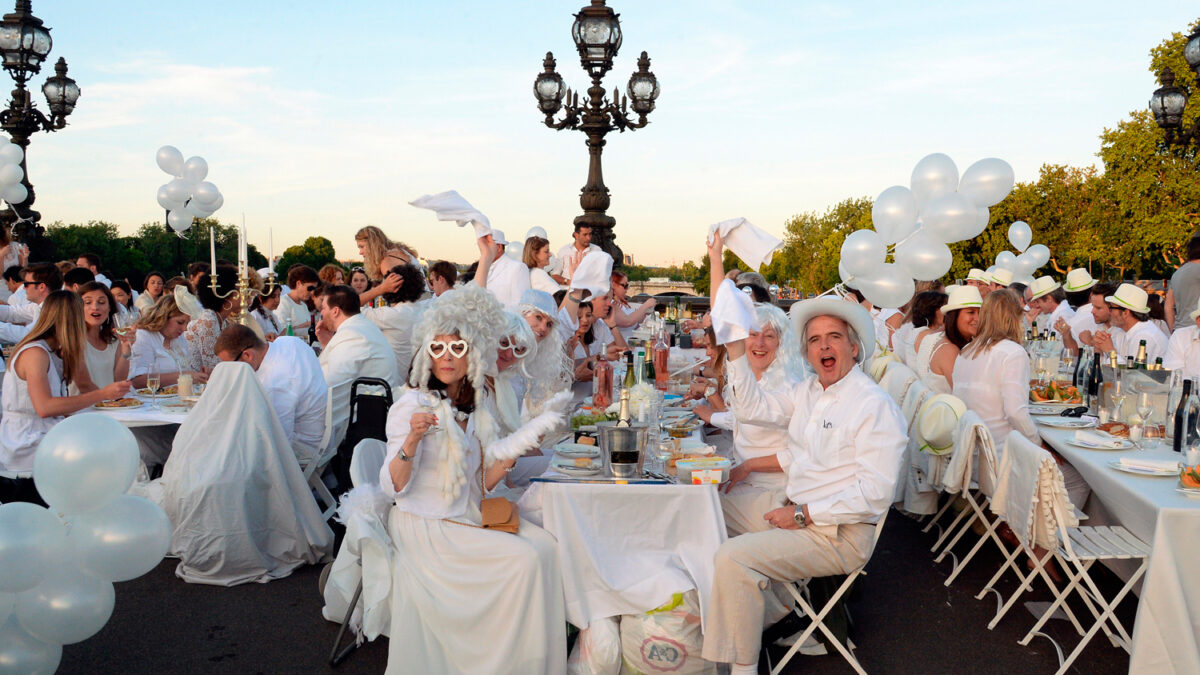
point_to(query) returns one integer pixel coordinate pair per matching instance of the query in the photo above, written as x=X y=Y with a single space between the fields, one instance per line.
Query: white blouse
x=540 y=280
x=929 y=345
x=761 y=438
x=995 y=384
x=100 y=364
x=1183 y=351
x=150 y=354
x=21 y=428
x=1127 y=344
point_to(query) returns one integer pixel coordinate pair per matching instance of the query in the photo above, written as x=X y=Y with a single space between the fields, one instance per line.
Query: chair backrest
x=367 y=461
x=368 y=402
x=1031 y=494
x=337 y=417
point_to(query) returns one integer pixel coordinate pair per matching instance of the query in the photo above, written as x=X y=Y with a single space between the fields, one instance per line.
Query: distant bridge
x=661 y=286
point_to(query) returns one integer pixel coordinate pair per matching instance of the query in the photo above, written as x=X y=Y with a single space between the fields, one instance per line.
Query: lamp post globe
x=1168 y=102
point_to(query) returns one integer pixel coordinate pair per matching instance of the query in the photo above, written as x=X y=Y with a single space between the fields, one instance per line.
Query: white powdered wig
x=548 y=369
x=788 y=356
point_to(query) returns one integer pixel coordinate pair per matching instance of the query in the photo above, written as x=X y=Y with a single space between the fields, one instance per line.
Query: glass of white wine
x=123 y=323
x=429 y=406
x=153 y=379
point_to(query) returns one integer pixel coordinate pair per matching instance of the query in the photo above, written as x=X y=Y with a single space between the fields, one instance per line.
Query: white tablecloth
x=1166 y=635
x=625 y=549
x=144 y=416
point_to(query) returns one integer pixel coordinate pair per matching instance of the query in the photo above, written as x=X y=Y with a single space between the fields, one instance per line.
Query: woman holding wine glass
x=109 y=338
x=160 y=347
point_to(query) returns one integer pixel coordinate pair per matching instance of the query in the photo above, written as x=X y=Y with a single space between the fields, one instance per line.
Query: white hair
x=548 y=367
x=788 y=356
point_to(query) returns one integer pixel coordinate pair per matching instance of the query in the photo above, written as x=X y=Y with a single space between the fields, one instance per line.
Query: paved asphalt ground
x=906 y=622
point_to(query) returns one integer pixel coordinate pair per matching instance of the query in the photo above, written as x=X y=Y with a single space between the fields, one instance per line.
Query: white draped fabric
x=507 y=279
x=238 y=502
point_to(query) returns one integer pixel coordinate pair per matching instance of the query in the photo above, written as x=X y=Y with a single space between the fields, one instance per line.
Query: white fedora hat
x=1078 y=279
x=851 y=312
x=977 y=274
x=498 y=237
x=962 y=297
x=1042 y=286
x=1131 y=298
x=936 y=422
x=537 y=232
x=1002 y=276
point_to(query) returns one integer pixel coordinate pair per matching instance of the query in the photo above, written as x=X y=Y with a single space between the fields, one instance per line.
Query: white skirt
x=467 y=600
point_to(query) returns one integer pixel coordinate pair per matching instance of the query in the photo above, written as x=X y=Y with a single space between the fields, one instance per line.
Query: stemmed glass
x=429 y=406
x=123 y=323
x=1144 y=409
x=1119 y=392
x=153 y=379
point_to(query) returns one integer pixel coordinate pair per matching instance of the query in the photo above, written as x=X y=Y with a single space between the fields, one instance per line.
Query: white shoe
x=811 y=647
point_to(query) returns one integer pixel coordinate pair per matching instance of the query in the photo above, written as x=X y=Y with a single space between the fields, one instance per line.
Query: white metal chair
x=315 y=467
x=799 y=589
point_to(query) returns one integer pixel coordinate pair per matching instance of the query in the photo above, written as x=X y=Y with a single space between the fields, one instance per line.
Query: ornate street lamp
x=597 y=35
x=1168 y=101
x=24 y=45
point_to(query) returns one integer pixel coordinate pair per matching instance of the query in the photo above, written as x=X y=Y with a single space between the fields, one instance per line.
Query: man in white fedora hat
x=1048 y=297
x=1130 y=319
x=846 y=438
x=1183 y=348
x=980 y=280
x=1001 y=278
x=1076 y=287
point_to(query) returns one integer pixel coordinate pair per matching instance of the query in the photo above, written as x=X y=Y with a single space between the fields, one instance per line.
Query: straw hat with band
x=1043 y=285
x=977 y=274
x=1078 y=279
x=852 y=313
x=937 y=421
x=1002 y=276
x=1131 y=298
x=962 y=297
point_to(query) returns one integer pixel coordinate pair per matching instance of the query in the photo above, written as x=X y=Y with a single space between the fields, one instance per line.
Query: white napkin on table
x=1150 y=464
x=594 y=273
x=754 y=246
x=1098 y=438
x=450 y=205
x=733 y=315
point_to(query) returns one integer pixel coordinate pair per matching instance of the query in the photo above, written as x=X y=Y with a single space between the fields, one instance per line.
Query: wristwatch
x=404 y=457
x=801 y=521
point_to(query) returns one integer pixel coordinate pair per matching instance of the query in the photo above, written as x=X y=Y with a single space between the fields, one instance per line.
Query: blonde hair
x=61 y=318
x=163 y=311
x=532 y=246
x=999 y=320
x=375 y=248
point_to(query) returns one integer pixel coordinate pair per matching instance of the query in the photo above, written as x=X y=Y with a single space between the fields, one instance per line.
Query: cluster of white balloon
x=1027 y=260
x=919 y=222
x=12 y=190
x=188 y=196
x=60 y=563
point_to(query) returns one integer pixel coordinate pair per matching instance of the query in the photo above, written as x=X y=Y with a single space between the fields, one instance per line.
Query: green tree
x=314 y=252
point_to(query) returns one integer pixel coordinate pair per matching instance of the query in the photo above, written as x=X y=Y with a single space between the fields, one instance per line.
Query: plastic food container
x=703 y=471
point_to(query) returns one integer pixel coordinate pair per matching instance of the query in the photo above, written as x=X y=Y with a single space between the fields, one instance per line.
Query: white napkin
x=594 y=273
x=733 y=315
x=754 y=246
x=1098 y=438
x=1150 y=464
x=451 y=206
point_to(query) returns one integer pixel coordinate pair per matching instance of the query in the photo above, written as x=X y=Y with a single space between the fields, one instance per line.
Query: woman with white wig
x=464 y=598
x=756 y=484
x=549 y=369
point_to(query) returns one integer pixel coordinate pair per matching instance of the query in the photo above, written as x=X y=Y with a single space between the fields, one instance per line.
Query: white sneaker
x=811 y=647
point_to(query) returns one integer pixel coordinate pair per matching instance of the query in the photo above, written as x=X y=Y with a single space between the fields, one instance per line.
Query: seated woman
x=380 y=254
x=219 y=308
x=536 y=257
x=447 y=571
x=583 y=346
x=159 y=347
x=926 y=313
x=123 y=297
x=398 y=317
x=359 y=280
x=50 y=358
x=151 y=292
x=710 y=382
x=263 y=310
x=960 y=322
x=106 y=353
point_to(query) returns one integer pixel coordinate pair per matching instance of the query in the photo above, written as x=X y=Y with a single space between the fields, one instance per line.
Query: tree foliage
x=315 y=252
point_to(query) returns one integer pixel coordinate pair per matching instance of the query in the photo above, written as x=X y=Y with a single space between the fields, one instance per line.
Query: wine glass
x=153 y=379
x=1145 y=409
x=1119 y=392
x=123 y=323
x=429 y=406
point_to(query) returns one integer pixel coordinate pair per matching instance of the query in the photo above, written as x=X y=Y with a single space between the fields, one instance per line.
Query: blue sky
x=318 y=119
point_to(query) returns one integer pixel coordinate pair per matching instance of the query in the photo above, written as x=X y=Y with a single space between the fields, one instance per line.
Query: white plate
x=569 y=468
x=1194 y=493
x=1136 y=470
x=1066 y=423
x=1050 y=408
x=573 y=450
x=1126 y=444
x=128 y=407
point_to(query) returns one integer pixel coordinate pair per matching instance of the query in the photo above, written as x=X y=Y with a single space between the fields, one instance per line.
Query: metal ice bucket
x=623 y=448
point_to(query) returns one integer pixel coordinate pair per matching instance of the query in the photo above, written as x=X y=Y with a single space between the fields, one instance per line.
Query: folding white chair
x=799 y=591
x=315 y=467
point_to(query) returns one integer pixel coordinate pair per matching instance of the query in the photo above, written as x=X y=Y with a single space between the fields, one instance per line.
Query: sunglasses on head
x=457 y=348
x=518 y=349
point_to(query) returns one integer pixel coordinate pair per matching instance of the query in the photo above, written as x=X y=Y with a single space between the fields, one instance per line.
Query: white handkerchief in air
x=754 y=246
x=450 y=205
x=594 y=274
x=733 y=314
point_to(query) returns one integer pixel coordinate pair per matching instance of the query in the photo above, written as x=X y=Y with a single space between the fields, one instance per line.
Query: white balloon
x=1024 y=265
x=170 y=160
x=1027 y=280
x=891 y=287
x=178 y=190
x=863 y=252
x=990 y=270
x=15 y=194
x=31 y=537
x=1040 y=254
x=1019 y=235
x=950 y=218
x=195 y=169
x=924 y=257
x=198 y=210
x=121 y=541
x=894 y=214
x=206 y=193
x=22 y=653
x=981 y=224
x=11 y=153
x=935 y=175
x=848 y=279
x=988 y=181
x=10 y=174
x=69 y=605
x=1005 y=260
x=180 y=219
x=217 y=204
x=165 y=201
x=84 y=462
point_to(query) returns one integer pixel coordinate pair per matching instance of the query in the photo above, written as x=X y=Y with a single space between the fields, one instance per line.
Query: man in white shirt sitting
x=1048 y=297
x=16 y=320
x=291 y=376
x=1183 y=348
x=507 y=278
x=293 y=306
x=846 y=439
x=91 y=262
x=1130 y=317
x=572 y=254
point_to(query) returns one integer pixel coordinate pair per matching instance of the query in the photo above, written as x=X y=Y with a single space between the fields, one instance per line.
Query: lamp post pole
x=24 y=45
x=597 y=36
x=1167 y=103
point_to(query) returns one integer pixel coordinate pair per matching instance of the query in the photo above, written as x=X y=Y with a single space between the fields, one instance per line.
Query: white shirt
x=571 y=257
x=900 y=338
x=21 y=428
x=297 y=312
x=359 y=349
x=1063 y=311
x=19 y=319
x=540 y=280
x=18 y=296
x=100 y=365
x=397 y=323
x=1127 y=344
x=1083 y=322
x=149 y=355
x=508 y=279
x=103 y=279
x=1183 y=351
x=291 y=376
x=144 y=303
x=761 y=438
x=995 y=384
x=845 y=443
x=626 y=331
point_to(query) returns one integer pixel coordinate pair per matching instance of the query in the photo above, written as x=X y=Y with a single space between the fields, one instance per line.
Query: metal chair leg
x=337 y=656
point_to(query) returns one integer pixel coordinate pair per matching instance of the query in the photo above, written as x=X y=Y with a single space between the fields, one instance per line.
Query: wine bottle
x=1129 y=365
x=1184 y=426
x=1113 y=361
x=1140 y=361
x=1158 y=363
x=1095 y=384
x=623 y=418
x=630 y=372
x=289 y=331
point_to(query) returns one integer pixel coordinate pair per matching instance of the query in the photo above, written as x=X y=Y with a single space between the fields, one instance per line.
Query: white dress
x=995 y=384
x=464 y=599
x=144 y=303
x=21 y=428
x=929 y=345
x=100 y=364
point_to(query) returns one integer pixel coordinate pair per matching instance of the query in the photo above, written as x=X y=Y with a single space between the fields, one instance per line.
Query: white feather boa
x=530 y=434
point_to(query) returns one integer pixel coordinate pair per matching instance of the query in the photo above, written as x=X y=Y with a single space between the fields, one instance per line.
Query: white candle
x=212 y=249
x=243 y=262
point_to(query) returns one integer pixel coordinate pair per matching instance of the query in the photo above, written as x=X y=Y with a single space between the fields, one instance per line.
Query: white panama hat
x=498 y=237
x=962 y=297
x=1131 y=298
x=851 y=312
x=977 y=274
x=1043 y=285
x=1002 y=276
x=1078 y=279
x=936 y=422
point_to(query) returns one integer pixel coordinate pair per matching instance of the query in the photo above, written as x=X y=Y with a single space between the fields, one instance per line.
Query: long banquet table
x=1166 y=635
